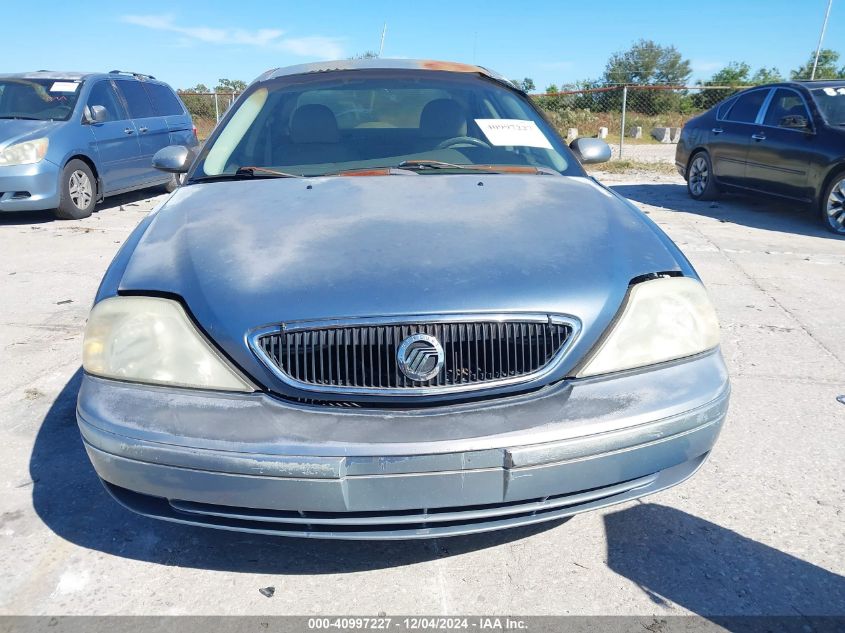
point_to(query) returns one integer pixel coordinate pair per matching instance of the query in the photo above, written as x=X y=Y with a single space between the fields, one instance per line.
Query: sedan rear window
x=747 y=106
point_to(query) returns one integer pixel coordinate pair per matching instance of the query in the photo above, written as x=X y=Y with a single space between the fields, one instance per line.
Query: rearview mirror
x=174 y=159
x=795 y=122
x=590 y=150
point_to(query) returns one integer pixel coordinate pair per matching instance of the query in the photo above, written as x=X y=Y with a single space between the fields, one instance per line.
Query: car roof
x=822 y=83
x=799 y=83
x=74 y=75
x=377 y=63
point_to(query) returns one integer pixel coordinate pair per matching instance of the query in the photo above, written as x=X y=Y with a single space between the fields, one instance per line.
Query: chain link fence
x=207 y=108
x=640 y=123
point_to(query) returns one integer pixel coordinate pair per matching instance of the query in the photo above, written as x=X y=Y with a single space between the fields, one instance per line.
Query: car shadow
x=712 y=571
x=20 y=218
x=756 y=212
x=71 y=501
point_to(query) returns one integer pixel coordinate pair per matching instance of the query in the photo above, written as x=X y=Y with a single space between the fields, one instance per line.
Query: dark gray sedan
x=389 y=303
x=784 y=140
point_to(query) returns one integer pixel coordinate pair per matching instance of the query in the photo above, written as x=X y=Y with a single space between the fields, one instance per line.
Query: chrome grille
x=362 y=357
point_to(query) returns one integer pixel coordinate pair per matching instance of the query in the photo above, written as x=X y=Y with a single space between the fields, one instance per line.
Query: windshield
x=38 y=99
x=831 y=102
x=427 y=121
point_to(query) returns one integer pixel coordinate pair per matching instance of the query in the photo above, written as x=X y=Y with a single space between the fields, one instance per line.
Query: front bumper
x=29 y=187
x=255 y=463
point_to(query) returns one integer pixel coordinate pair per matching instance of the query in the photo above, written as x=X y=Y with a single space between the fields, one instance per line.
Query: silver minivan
x=69 y=139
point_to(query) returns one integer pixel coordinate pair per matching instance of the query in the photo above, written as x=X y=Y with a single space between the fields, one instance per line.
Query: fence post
x=622 y=131
x=216 y=109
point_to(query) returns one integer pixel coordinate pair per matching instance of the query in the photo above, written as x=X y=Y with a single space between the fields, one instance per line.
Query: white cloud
x=272 y=39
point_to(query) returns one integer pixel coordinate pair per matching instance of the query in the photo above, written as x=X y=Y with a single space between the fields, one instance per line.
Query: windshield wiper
x=259 y=172
x=373 y=171
x=492 y=169
x=435 y=164
x=18 y=116
x=247 y=173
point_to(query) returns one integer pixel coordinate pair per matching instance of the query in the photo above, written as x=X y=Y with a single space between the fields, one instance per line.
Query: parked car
x=785 y=140
x=426 y=322
x=67 y=140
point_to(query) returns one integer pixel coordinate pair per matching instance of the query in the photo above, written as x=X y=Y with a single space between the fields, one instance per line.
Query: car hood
x=17 y=130
x=245 y=254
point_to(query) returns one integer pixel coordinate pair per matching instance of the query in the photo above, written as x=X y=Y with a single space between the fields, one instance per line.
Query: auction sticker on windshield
x=64 y=86
x=513 y=132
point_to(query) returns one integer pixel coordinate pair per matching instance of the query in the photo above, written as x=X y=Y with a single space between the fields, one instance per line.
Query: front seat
x=314 y=138
x=441 y=119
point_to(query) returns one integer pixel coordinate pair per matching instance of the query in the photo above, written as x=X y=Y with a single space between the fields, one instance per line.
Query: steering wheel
x=463 y=140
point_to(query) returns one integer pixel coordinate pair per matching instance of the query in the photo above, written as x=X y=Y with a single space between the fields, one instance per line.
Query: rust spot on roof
x=431 y=64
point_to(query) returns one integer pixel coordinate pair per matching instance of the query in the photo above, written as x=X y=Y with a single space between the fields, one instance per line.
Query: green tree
x=230 y=85
x=551 y=89
x=766 y=76
x=647 y=62
x=734 y=74
x=199 y=103
x=526 y=84
x=365 y=55
x=826 y=69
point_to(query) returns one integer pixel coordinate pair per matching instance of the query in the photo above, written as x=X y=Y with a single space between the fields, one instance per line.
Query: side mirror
x=175 y=159
x=97 y=114
x=795 y=122
x=590 y=150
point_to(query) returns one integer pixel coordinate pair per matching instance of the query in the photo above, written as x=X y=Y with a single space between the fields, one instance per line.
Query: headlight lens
x=152 y=340
x=663 y=319
x=25 y=153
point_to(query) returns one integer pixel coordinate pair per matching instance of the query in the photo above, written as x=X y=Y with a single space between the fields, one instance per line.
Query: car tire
x=77 y=191
x=832 y=204
x=700 y=183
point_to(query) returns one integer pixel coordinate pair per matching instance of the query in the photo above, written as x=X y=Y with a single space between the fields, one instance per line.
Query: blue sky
x=559 y=41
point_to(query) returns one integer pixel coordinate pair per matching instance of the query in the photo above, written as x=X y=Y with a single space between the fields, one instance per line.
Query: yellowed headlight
x=663 y=319
x=152 y=340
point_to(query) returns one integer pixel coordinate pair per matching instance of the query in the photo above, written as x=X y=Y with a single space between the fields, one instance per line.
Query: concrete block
x=602 y=132
x=635 y=132
x=675 y=134
x=662 y=134
x=571 y=134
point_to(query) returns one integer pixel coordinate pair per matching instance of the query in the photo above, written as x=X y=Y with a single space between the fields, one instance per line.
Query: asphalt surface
x=759 y=530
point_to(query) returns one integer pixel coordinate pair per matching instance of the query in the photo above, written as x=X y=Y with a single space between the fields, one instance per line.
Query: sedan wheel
x=699 y=178
x=834 y=210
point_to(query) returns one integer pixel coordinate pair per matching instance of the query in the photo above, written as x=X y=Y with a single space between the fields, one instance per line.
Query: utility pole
x=821 y=38
x=383 y=33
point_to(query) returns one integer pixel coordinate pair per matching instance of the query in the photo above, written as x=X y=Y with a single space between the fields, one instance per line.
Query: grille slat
x=364 y=356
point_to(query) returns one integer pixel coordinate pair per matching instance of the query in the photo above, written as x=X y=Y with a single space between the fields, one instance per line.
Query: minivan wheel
x=700 y=183
x=78 y=192
x=833 y=205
